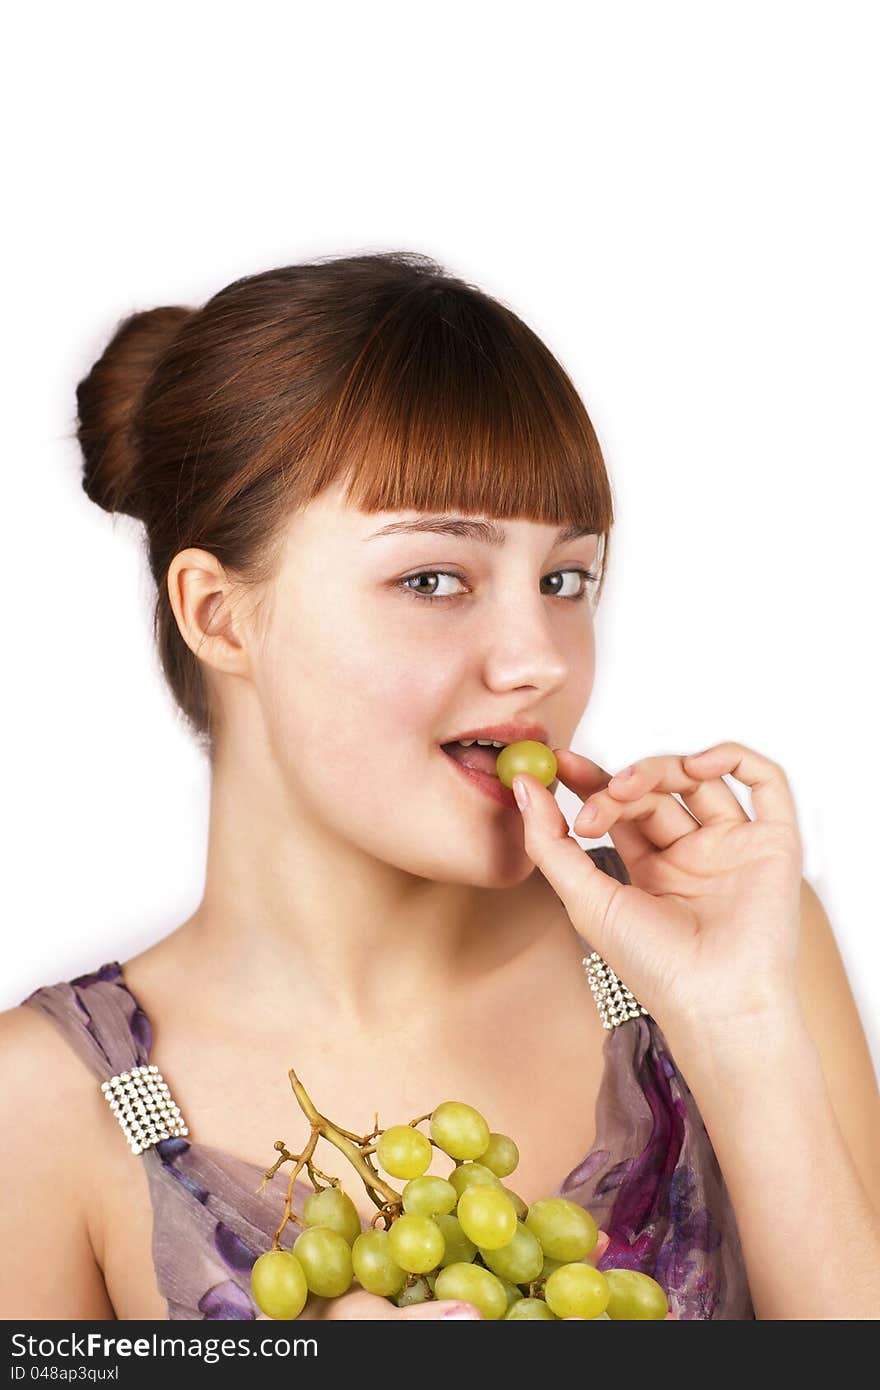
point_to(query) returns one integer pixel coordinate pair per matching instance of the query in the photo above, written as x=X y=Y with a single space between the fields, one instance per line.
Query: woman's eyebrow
x=487 y=532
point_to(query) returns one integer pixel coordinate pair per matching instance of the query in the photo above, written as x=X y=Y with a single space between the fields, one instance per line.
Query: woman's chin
x=495 y=867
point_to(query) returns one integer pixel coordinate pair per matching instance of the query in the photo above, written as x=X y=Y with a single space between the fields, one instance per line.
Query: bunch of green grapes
x=466 y=1237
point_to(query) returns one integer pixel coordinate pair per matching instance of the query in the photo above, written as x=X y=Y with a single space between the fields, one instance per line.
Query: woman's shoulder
x=93 y=1014
x=52 y=1117
x=49 y=1044
x=32 y=1051
x=47 y=1090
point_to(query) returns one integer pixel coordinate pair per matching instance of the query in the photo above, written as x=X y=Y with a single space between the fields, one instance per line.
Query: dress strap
x=104 y=1024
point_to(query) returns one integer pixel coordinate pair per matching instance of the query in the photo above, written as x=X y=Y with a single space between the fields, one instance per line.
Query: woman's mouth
x=476 y=764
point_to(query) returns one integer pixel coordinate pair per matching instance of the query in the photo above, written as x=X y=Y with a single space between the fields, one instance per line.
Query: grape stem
x=356 y=1148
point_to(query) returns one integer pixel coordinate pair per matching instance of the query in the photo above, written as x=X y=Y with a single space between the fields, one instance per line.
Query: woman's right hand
x=358 y=1305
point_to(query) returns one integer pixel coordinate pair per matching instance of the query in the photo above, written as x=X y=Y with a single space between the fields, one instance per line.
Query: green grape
x=403 y=1152
x=522 y=1209
x=429 y=1196
x=459 y=1249
x=526 y=756
x=487 y=1216
x=502 y=1155
x=566 y=1231
x=549 y=1266
x=334 y=1208
x=325 y=1256
x=514 y=1294
x=468 y=1174
x=417 y=1292
x=520 y=1261
x=278 y=1284
x=373 y=1266
x=416 y=1243
x=634 y=1295
x=473 y=1284
x=459 y=1130
x=577 y=1291
x=532 y=1308
x=599 y=1317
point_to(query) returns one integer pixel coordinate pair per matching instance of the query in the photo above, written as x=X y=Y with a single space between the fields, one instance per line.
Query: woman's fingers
x=600 y=1247
x=771 y=795
x=587 y=893
x=579 y=773
x=439 y=1308
x=645 y=796
x=586 y=778
x=654 y=823
x=700 y=787
x=360 y=1306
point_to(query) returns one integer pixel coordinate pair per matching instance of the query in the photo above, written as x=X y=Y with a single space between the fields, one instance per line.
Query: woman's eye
x=428 y=574
x=583 y=578
x=579 y=590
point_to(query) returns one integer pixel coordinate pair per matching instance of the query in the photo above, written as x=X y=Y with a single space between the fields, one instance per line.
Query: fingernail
x=461 y=1313
x=588 y=813
x=521 y=792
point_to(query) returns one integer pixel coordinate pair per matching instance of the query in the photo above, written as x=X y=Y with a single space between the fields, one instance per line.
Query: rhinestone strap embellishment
x=614 y=1001
x=143 y=1105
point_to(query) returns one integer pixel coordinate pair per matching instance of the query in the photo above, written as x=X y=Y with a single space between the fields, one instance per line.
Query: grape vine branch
x=356 y=1148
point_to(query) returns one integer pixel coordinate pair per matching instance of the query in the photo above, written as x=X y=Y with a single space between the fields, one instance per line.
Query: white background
x=680 y=198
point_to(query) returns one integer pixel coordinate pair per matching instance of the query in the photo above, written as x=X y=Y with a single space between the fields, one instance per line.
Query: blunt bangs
x=454 y=405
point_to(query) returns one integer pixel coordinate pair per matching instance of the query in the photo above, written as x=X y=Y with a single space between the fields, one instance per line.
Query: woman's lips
x=488 y=783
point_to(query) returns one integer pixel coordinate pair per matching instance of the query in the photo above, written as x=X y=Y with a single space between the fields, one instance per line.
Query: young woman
x=378 y=519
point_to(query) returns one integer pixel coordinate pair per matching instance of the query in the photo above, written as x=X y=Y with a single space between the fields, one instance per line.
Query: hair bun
x=107 y=401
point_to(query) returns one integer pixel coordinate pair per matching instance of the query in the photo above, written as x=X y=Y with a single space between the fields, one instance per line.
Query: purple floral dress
x=652 y=1180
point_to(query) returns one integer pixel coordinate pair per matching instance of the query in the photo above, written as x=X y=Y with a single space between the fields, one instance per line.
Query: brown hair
x=213 y=425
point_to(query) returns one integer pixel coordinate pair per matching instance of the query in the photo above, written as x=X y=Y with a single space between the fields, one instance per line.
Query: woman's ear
x=204 y=601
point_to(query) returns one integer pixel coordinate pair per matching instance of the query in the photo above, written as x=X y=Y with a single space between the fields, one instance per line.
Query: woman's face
x=361 y=677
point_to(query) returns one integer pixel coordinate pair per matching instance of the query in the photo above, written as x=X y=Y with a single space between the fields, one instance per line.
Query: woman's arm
x=832 y=1018
x=802 y=1168
x=49 y=1268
